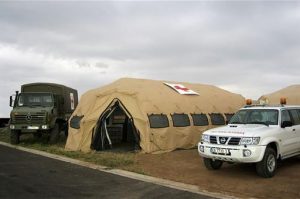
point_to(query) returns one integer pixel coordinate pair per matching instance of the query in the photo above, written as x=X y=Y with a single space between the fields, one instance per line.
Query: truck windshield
x=255 y=116
x=35 y=99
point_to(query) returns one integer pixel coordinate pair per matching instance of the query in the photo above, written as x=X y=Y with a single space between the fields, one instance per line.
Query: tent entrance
x=115 y=131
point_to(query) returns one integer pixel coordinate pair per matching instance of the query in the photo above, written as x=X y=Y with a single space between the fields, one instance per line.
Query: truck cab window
x=35 y=99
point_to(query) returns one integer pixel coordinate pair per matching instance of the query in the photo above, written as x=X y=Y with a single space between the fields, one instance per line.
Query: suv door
x=295 y=114
x=288 y=136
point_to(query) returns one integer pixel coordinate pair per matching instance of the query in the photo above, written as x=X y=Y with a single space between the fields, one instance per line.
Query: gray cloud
x=246 y=47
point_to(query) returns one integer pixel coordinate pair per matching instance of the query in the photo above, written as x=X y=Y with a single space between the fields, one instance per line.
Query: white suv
x=255 y=134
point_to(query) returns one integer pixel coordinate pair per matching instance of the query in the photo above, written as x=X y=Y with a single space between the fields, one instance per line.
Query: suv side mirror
x=286 y=124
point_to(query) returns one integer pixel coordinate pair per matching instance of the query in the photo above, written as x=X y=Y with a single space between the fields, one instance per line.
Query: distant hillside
x=291 y=93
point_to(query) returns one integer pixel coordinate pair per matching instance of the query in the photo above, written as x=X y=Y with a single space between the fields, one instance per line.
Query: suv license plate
x=220 y=151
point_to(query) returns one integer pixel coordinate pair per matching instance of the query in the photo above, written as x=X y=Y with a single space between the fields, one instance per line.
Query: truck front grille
x=32 y=118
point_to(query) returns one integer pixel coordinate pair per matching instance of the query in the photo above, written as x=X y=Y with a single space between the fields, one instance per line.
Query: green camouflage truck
x=41 y=108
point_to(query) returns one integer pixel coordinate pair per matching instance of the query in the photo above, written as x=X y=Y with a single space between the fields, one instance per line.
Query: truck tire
x=15 y=136
x=66 y=129
x=267 y=167
x=211 y=164
x=54 y=134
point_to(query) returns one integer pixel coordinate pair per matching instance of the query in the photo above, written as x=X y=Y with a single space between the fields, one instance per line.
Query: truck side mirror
x=286 y=124
x=11 y=101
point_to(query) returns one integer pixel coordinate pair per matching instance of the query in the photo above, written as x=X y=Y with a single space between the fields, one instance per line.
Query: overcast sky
x=251 y=48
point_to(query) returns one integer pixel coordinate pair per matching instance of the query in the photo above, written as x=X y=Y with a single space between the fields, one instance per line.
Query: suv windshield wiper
x=257 y=122
x=237 y=123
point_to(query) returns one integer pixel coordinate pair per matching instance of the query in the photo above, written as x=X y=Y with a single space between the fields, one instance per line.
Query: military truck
x=41 y=108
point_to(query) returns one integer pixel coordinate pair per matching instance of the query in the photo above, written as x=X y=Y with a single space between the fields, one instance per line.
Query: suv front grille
x=213 y=139
x=232 y=140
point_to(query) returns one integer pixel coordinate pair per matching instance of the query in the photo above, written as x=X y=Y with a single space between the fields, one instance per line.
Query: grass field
x=119 y=160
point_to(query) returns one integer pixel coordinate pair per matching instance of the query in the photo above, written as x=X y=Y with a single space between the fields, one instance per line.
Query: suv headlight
x=250 y=141
x=205 y=138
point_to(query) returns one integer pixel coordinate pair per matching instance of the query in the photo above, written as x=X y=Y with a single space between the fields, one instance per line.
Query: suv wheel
x=14 y=136
x=267 y=167
x=211 y=164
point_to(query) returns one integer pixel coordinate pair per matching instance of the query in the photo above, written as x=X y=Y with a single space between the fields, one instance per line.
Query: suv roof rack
x=264 y=105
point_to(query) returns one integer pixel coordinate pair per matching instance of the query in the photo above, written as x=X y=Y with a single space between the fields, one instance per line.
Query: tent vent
x=158 y=121
x=75 y=121
x=180 y=120
x=200 y=119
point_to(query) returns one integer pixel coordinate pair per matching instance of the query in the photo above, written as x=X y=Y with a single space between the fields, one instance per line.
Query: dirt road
x=233 y=179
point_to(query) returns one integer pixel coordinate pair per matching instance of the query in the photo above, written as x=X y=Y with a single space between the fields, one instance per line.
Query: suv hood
x=239 y=130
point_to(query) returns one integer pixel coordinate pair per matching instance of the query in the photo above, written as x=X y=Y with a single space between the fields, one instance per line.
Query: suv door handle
x=294 y=129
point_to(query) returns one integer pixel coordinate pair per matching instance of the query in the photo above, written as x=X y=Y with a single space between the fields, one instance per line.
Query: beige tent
x=291 y=93
x=151 y=114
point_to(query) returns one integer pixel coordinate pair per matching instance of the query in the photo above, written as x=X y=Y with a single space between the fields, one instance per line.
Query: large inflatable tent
x=147 y=114
x=291 y=93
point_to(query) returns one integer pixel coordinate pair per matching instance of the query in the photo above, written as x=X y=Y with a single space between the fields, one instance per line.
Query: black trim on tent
x=75 y=121
x=228 y=116
x=199 y=119
x=180 y=120
x=217 y=119
x=158 y=121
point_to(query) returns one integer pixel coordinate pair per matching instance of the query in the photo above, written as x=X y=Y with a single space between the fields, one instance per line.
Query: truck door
x=289 y=135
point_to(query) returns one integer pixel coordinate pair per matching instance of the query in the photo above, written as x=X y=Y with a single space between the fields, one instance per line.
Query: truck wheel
x=211 y=164
x=54 y=134
x=14 y=136
x=267 y=167
x=66 y=131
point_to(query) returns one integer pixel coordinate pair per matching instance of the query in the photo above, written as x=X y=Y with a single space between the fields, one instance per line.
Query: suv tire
x=15 y=136
x=211 y=164
x=267 y=167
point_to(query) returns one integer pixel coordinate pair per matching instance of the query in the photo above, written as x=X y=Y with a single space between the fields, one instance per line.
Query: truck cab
x=41 y=108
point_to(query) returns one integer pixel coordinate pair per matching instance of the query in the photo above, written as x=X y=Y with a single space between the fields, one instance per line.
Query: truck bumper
x=242 y=154
x=29 y=128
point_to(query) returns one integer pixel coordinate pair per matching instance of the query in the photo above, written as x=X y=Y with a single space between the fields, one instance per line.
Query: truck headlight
x=44 y=126
x=205 y=138
x=250 y=141
x=12 y=126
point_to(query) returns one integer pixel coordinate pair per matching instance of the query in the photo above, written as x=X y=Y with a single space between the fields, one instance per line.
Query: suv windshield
x=255 y=116
x=35 y=99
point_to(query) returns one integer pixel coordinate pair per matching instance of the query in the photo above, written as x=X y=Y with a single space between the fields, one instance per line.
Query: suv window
x=295 y=116
x=255 y=116
x=285 y=116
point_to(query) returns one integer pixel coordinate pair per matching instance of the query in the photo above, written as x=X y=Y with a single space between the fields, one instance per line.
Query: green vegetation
x=120 y=160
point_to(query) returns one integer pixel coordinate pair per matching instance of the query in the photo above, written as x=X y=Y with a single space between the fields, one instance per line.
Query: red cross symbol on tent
x=181 y=88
